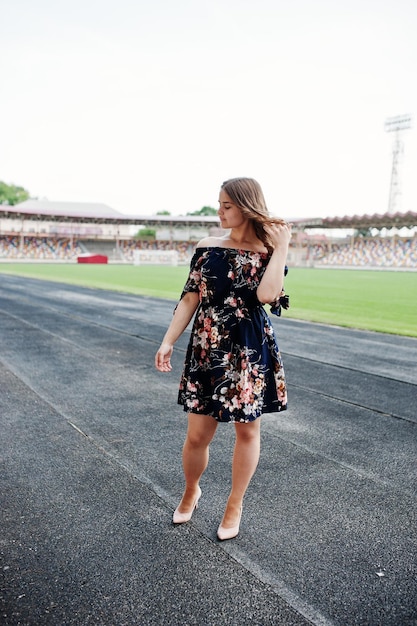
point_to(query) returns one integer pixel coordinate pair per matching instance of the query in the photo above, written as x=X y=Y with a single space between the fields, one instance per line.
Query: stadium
x=91 y=449
x=42 y=230
x=92 y=436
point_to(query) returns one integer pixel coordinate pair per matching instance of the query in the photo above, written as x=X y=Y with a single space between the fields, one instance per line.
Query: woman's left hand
x=272 y=281
x=280 y=234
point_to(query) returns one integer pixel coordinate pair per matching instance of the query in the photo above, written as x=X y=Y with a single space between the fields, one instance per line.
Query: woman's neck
x=244 y=235
x=245 y=238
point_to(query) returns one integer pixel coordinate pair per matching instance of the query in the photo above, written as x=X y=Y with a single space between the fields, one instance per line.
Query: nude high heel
x=229 y=533
x=181 y=518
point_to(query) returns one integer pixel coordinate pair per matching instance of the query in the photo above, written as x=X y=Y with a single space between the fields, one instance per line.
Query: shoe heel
x=182 y=518
x=229 y=533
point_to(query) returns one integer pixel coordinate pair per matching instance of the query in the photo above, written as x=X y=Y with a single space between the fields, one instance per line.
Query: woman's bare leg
x=195 y=455
x=245 y=462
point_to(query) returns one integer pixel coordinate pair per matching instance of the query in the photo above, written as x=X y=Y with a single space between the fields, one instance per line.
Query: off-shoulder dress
x=233 y=368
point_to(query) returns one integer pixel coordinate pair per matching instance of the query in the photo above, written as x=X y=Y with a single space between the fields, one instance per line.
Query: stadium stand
x=55 y=249
x=184 y=248
x=39 y=248
x=368 y=252
x=41 y=230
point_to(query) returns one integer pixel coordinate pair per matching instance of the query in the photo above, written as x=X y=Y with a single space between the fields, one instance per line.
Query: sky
x=149 y=106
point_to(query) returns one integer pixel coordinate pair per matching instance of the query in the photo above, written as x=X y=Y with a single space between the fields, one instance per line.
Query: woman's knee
x=249 y=432
x=201 y=429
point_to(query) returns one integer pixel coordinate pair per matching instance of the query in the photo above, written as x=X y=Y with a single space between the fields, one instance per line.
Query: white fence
x=155 y=257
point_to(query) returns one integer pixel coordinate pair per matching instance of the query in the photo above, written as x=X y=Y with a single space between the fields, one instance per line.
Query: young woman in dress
x=233 y=369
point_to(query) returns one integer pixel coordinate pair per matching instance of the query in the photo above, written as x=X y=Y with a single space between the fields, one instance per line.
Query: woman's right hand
x=183 y=313
x=163 y=357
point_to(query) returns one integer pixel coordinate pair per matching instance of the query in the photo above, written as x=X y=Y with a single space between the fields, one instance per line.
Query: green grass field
x=383 y=301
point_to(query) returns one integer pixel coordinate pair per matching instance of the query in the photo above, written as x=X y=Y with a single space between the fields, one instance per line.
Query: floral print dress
x=233 y=368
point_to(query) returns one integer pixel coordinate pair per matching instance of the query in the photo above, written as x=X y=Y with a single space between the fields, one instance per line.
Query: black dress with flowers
x=233 y=369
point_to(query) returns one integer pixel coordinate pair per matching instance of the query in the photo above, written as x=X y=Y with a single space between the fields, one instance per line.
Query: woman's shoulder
x=228 y=244
x=210 y=242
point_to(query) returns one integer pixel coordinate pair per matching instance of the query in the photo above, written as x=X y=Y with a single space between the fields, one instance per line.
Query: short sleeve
x=282 y=302
x=194 y=277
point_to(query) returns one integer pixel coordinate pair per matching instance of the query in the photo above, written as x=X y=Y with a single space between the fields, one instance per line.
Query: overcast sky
x=150 y=105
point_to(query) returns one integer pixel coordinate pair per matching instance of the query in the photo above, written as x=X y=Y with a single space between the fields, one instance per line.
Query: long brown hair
x=247 y=194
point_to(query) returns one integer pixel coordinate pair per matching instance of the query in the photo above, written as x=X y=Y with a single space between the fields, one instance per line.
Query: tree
x=146 y=233
x=163 y=213
x=12 y=194
x=363 y=232
x=205 y=210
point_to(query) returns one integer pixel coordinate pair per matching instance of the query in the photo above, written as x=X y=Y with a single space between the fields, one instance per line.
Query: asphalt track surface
x=90 y=450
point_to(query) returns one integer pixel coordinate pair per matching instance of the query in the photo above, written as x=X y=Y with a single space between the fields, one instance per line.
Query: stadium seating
x=375 y=252
x=38 y=248
x=368 y=252
x=184 y=248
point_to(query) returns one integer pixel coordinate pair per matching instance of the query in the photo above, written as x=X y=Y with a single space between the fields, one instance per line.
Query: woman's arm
x=272 y=281
x=182 y=316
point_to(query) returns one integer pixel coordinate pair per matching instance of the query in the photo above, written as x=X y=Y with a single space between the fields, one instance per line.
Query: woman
x=233 y=369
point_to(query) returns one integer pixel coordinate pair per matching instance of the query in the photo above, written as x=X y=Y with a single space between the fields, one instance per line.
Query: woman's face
x=229 y=213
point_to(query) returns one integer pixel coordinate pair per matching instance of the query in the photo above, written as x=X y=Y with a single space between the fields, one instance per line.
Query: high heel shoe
x=229 y=533
x=181 y=518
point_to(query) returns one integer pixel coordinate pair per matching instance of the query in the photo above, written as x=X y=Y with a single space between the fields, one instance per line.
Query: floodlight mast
x=396 y=125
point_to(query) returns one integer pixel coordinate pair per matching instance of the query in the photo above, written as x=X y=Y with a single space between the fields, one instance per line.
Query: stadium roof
x=46 y=210
x=90 y=212
x=376 y=220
